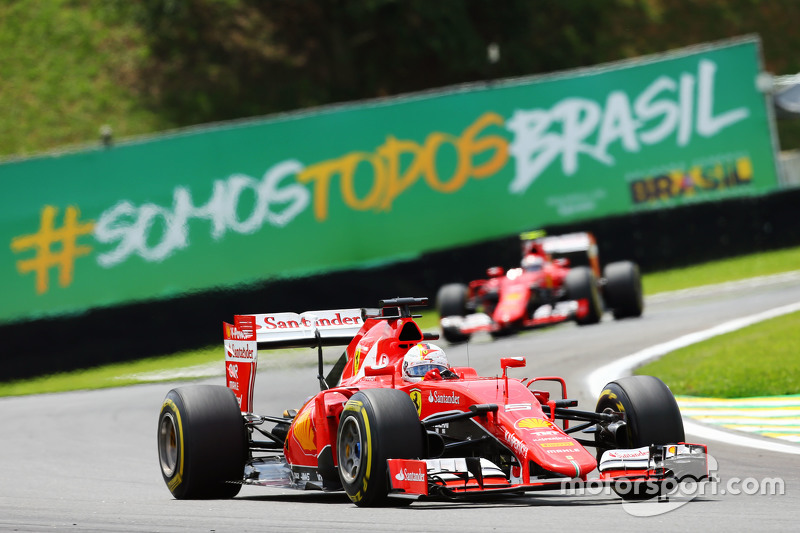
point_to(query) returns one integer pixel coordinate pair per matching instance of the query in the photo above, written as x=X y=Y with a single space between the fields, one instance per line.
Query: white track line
x=623 y=367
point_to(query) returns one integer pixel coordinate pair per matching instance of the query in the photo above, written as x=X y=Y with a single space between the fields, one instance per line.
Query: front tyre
x=376 y=425
x=623 y=289
x=652 y=416
x=202 y=442
x=581 y=284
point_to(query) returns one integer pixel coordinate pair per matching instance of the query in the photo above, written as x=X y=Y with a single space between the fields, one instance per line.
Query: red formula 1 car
x=374 y=435
x=559 y=279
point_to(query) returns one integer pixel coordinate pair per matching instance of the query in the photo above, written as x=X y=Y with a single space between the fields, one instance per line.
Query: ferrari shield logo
x=416 y=397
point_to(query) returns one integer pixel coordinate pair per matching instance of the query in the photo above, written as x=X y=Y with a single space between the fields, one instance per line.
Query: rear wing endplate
x=281 y=330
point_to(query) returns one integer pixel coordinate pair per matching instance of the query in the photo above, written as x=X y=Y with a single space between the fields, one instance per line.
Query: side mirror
x=505 y=364
x=512 y=362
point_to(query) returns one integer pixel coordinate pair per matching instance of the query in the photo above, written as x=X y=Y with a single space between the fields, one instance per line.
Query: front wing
x=454 y=478
x=543 y=316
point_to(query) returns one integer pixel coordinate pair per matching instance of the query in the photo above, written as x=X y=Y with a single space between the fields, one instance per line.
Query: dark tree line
x=222 y=59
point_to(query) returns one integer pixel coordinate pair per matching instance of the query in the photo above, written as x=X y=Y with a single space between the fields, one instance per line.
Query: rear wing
x=579 y=247
x=312 y=329
x=559 y=244
x=280 y=330
x=303 y=330
x=569 y=243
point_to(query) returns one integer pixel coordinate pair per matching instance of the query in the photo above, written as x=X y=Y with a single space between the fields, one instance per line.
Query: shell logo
x=304 y=432
x=533 y=423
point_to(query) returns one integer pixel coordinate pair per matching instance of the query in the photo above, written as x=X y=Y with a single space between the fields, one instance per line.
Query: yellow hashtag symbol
x=43 y=242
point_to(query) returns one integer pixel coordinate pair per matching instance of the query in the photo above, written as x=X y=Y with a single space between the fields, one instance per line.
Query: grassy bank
x=744 y=267
x=760 y=358
x=68 y=68
x=114 y=375
x=754 y=361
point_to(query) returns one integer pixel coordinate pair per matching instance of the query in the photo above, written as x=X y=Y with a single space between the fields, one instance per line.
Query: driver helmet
x=421 y=359
x=532 y=263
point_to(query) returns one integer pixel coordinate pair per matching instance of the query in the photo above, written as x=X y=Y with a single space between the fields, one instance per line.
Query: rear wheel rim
x=350 y=450
x=168 y=445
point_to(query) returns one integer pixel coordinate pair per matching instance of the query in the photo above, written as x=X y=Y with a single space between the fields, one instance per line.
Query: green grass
x=776 y=358
x=69 y=67
x=114 y=375
x=759 y=360
x=755 y=361
x=732 y=269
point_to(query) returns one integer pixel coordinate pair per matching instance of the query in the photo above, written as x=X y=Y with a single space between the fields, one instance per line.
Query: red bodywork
x=520 y=428
x=374 y=359
x=526 y=296
x=512 y=298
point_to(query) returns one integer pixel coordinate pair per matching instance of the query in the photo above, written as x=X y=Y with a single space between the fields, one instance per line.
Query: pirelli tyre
x=622 y=290
x=581 y=284
x=202 y=442
x=451 y=300
x=652 y=416
x=375 y=425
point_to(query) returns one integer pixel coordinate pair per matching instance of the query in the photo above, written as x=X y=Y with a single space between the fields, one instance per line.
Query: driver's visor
x=419 y=371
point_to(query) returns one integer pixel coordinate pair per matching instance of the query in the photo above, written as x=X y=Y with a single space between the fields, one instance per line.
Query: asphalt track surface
x=86 y=461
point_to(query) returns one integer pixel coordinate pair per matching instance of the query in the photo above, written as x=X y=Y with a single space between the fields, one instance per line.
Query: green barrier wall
x=379 y=181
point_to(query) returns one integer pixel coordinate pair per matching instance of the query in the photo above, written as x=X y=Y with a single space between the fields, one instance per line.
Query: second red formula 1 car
x=393 y=418
x=559 y=279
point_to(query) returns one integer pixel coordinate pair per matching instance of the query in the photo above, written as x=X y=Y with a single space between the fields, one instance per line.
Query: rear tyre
x=623 y=289
x=582 y=284
x=202 y=442
x=376 y=425
x=452 y=301
x=652 y=417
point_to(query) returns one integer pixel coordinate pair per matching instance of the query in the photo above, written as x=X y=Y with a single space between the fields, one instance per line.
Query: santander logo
x=449 y=398
x=303 y=322
x=243 y=352
x=405 y=475
x=629 y=454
